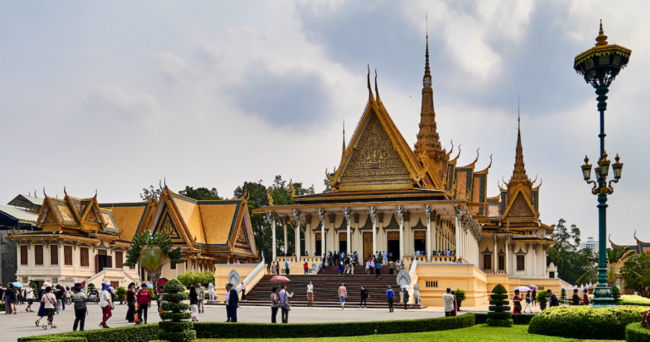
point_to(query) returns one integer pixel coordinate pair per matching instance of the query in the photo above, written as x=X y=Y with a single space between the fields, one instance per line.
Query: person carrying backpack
x=552 y=299
x=79 y=300
x=143 y=297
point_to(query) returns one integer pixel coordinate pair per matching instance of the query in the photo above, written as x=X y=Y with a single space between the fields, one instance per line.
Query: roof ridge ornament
x=601 y=40
x=370 y=96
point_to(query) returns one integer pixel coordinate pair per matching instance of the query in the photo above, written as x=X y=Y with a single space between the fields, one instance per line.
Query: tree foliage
x=575 y=265
x=200 y=194
x=614 y=257
x=150 y=193
x=152 y=251
x=636 y=273
x=193 y=278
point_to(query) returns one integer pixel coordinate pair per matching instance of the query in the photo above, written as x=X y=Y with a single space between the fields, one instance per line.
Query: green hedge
x=636 y=333
x=259 y=330
x=137 y=333
x=2 y=307
x=585 y=322
x=523 y=319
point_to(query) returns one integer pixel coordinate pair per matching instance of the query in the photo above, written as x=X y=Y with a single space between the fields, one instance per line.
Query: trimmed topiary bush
x=499 y=315
x=136 y=333
x=636 y=333
x=523 y=319
x=585 y=322
x=175 y=329
x=616 y=293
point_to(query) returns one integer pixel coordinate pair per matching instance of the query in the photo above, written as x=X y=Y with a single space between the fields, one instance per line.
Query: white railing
x=318 y=267
x=255 y=276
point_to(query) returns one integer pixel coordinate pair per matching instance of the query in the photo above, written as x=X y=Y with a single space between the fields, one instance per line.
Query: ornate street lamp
x=599 y=66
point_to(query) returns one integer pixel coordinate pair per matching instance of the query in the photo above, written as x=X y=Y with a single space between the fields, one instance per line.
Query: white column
x=495 y=264
x=458 y=230
x=286 y=250
x=321 y=215
x=346 y=212
x=296 y=216
x=534 y=260
x=400 y=214
x=373 y=219
x=508 y=254
x=427 y=211
x=435 y=233
x=273 y=236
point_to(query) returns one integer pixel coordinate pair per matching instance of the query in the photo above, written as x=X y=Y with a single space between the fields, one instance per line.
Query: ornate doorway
x=343 y=243
x=393 y=245
x=367 y=245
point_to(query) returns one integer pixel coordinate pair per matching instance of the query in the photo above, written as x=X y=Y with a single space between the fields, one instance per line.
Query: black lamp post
x=599 y=66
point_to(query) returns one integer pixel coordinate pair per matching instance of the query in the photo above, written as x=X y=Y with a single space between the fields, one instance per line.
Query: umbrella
x=17 y=284
x=405 y=286
x=280 y=279
x=149 y=286
x=523 y=288
x=532 y=287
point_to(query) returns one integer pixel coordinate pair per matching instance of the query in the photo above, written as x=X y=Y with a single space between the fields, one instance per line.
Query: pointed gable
x=167 y=225
x=131 y=218
x=520 y=208
x=190 y=215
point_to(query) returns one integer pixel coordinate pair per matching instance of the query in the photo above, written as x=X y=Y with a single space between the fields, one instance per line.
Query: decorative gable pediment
x=520 y=208
x=167 y=225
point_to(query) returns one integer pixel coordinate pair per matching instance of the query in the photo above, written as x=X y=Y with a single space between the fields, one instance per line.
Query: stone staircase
x=326 y=284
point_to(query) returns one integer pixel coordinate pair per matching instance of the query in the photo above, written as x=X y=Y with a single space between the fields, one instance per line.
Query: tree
x=200 y=194
x=636 y=274
x=176 y=328
x=576 y=266
x=151 y=193
x=499 y=315
x=193 y=278
x=614 y=257
x=152 y=252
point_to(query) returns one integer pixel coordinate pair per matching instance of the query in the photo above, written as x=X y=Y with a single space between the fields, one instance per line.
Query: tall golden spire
x=519 y=173
x=343 y=137
x=602 y=38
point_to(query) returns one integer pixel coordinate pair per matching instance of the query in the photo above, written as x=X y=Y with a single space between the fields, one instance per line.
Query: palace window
x=172 y=266
x=23 y=255
x=431 y=283
x=487 y=261
x=83 y=256
x=521 y=261
x=552 y=275
x=38 y=254
x=502 y=262
x=67 y=255
x=119 y=259
x=54 y=255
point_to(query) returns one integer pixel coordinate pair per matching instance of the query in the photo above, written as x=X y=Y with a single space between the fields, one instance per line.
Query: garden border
x=636 y=333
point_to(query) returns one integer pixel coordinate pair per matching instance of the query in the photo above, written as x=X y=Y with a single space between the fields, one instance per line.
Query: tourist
x=391 y=267
x=275 y=304
x=310 y=294
x=41 y=310
x=585 y=297
x=340 y=267
x=364 y=297
x=243 y=291
x=67 y=295
x=448 y=299
x=10 y=298
x=406 y=298
x=342 y=255
x=305 y=266
x=575 y=300
x=343 y=295
x=417 y=253
x=286 y=266
x=59 y=294
x=200 y=291
x=372 y=266
x=106 y=303
x=528 y=301
x=79 y=298
x=368 y=266
x=378 y=269
x=383 y=258
x=29 y=295
x=285 y=304
x=552 y=299
x=353 y=263
x=194 y=303
x=534 y=297
x=397 y=269
x=130 y=302
x=144 y=303
x=50 y=306
x=390 y=295
x=233 y=303
x=346 y=265
x=228 y=315
x=516 y=303
x=390 y=256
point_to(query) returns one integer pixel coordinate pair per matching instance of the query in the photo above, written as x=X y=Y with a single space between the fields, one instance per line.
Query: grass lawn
x=478 y=333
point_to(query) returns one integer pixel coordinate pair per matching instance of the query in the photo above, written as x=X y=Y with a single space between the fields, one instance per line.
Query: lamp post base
x=603 y=297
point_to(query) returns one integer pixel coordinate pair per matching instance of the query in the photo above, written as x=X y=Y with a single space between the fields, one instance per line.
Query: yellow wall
x=222 y=270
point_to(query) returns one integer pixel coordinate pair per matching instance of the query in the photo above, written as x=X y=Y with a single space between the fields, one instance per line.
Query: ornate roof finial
x=376 y=87
x=44 y=194
x=343 y=152
x=427 y=71
x=65 y=191
x=519 y=173
x=35 y=194
x=601 y=40
x=370 y=97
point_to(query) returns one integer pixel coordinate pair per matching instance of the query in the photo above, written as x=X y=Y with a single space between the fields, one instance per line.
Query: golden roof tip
x=65 y=192
x=44 y=194
x=376 y=87
x=601 y=40
x=369 y=88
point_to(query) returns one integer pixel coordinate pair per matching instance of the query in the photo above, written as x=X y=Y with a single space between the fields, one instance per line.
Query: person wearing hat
x=79 y=299
x=233 y=302
x=106 y=303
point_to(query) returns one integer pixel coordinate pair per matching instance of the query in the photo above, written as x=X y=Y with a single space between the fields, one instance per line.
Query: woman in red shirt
x=516 y=301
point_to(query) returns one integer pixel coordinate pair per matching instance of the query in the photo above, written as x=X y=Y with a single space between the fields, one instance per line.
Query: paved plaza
x=22 y=324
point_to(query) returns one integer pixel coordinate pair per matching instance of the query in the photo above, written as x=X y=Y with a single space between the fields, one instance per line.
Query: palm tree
x=152 y=252
x=614 y=256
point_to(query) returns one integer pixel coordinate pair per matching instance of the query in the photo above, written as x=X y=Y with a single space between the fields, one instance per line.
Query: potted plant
x=542 y=299
x=616 y=293
x=121 y=294
x=563 y=294
x=460 y=296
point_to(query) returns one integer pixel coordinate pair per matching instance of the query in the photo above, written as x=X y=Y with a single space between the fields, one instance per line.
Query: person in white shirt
x=310 y=294
x=106 y=303
x=448 y=299
x=29 y=295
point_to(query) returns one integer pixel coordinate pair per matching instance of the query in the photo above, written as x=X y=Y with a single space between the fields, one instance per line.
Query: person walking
x=364 y=297
x=29 y=295
x=275 y=305
x=390 y=295
x=194 y=303
x=80 y=310
x=448 y=299
x=384 y=259
x=49 y=299
x=143 y=299
x=575 y=300
x=528 y=301
x=406 y=298
x=41 y=310
x=343 y=295
x=552 y=299
x=200 y=290
x=130 y=302
x=106 y=303
x=368 y=266
x=284 y=303
x=378 y=269
x=516 y=304
x=340 y=267
x=534 y=297
x=243 y=291
x=67 y=296
x=233 y=303
x=310 y=294
x=59 y=293
x=10 y=298
x=305 y=266
x=585 y=297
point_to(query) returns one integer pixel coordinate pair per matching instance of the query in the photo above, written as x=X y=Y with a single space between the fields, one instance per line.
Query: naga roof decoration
x=639 y=247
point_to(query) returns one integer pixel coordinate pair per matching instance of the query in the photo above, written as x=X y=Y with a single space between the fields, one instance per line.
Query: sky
x=115 y=95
